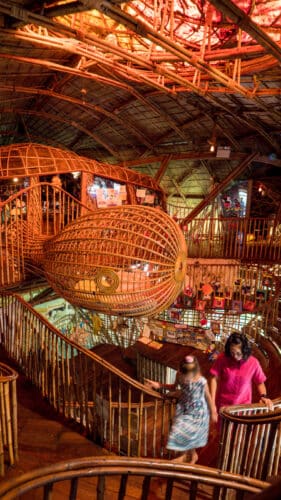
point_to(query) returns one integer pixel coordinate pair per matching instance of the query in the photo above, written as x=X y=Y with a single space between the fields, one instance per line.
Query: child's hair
x=238 y=339
x=189 y=365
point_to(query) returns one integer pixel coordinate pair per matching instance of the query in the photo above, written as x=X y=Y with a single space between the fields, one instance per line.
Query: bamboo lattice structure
x=27 y=219
x=31 y=159
x=245 y=238
x=8 y=418
x=129 y=260
x=129 y=473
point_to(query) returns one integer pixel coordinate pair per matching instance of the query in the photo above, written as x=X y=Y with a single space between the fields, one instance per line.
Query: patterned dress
x=190 y=428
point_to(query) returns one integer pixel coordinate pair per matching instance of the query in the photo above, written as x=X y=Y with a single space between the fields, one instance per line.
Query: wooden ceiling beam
x=178 y=182
x=162 y=169
x=191 y=155
x=191 y=57
x=70 y=123
x=213 y=55
x=218 y=188
x=244 y=22
x=156 y=37
x=91 y=108
x=64 y=69
x=137 y=95
x=147 y=32
x=239 y=119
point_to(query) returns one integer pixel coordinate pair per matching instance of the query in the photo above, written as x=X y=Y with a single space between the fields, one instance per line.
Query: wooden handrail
x=189 y=477
x=102 y=362
x=250 y=440
x=123 y=414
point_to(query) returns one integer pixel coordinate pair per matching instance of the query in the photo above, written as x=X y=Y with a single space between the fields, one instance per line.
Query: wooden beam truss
x=197 y=73
x=218 y=188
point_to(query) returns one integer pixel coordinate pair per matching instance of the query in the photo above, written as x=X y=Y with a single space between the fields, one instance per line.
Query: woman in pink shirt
x=234 y=372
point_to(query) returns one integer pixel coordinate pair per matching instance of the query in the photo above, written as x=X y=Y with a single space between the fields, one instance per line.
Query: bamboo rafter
x=143 y=62
x=98 y=110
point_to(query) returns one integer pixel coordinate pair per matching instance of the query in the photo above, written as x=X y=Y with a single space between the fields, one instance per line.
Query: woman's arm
x=211 y=405
x=213 y=388
x=263 y=396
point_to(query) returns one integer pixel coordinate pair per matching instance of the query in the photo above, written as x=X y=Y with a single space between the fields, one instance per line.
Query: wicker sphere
x=128 y=260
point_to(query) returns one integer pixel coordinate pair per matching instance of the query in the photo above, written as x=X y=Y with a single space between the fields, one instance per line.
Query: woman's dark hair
x=238 y=339
x=189 y=364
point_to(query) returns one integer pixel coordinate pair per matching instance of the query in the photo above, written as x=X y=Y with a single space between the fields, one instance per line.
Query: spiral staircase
x=112 y=408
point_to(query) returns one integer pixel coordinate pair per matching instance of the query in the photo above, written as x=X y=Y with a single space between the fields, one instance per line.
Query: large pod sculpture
x=128 y=260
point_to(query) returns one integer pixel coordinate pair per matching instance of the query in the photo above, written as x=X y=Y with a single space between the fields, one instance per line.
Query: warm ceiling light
x=15 y=179
x=75 y=175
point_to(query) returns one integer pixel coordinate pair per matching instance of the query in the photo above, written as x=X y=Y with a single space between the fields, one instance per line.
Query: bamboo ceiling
x=147 y=85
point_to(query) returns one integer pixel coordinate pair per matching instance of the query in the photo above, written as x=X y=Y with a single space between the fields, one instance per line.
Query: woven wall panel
x=129 y=260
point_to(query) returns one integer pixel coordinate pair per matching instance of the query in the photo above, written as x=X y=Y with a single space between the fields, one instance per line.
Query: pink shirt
x=235 y=379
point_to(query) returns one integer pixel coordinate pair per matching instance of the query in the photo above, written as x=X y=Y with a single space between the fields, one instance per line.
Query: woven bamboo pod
x=129 y=260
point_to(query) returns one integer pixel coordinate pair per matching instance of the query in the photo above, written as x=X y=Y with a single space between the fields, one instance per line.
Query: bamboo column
x=8 y=418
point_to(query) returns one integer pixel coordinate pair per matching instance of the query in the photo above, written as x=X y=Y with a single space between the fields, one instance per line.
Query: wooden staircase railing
x=136 y=478
x=115 y=410
x=243 y=238
x=250 y=440
x=27 y=219
x=8 y=416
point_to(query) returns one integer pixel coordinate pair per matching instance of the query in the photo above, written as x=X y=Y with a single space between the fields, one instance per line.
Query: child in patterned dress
x=190 y=428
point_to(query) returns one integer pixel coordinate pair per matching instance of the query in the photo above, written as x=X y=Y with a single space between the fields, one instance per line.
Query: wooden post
x=87 y=180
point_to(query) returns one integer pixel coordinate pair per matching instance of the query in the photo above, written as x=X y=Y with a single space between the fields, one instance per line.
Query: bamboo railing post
x=8 y=417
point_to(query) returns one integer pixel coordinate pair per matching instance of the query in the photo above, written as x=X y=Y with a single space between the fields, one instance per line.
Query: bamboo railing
x=250 y=440
x=113 y=409
x=132 y=478
x=245 y=238
x=27 y=219
x=118 y=412
x=8 y=416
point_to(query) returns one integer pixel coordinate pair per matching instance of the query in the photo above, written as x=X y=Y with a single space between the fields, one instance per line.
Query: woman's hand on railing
x=151 y=384
x=267 y=402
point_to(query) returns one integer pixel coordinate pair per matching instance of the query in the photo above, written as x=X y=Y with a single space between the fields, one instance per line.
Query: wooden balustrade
x=27 y=219
x=248 y=239
x=117 y=411
x=136 y=478
x=8 y=416
x=250 y=440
